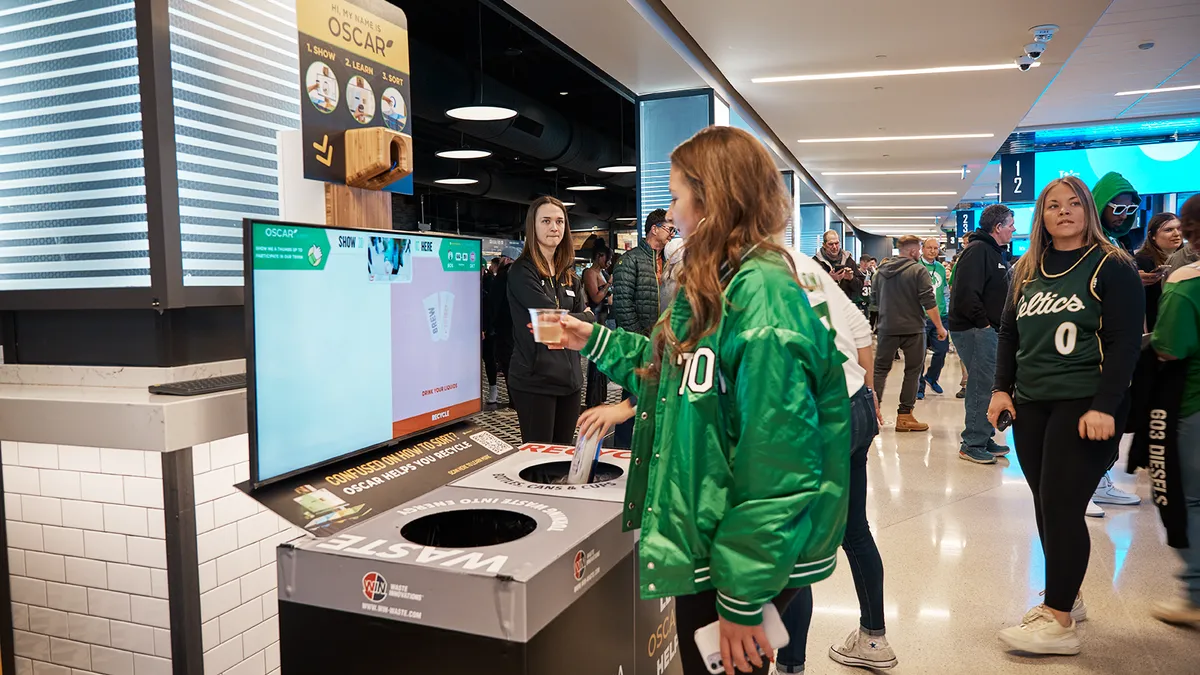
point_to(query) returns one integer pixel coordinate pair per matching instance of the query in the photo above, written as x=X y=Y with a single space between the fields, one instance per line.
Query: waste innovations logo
x=374 y=586
x=580 y=565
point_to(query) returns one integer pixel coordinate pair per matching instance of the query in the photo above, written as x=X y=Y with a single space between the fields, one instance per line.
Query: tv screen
x=357 y=338
x=1023 y=220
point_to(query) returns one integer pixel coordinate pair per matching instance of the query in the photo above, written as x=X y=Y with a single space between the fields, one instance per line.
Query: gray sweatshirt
x=905 y=293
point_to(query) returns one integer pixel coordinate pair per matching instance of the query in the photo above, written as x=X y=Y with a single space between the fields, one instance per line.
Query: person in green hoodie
x=1118 y=203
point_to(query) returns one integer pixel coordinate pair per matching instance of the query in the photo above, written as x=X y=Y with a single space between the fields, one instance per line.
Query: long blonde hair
x=1040 y=240
x=741 y=194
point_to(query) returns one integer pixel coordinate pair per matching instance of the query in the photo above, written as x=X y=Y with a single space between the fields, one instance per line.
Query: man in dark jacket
x=840 y=265
x=637 y=287
x=981 y=276
x=905 y=298
x=638 y=277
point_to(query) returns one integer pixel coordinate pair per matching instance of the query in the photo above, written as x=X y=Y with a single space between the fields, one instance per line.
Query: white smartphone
x=708 y=639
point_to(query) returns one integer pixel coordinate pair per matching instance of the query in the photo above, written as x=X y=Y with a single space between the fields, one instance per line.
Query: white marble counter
x=111 y=407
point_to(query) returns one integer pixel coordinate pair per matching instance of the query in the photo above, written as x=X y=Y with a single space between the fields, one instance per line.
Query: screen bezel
x=251 y=380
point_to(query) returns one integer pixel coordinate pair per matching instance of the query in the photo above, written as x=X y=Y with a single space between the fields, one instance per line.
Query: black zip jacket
x=980 y=285
x=534 y=367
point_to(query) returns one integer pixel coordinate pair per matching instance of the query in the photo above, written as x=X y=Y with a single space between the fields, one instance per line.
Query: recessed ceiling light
x=893 y=194
x=992 y=194
x=626 y=220
x=916 y=172
x=464 y=154
x=585 y=188
x=876 y=139
x=568 y=204
x=563 y=93
x=905 y=208
x=456 y=181
x=550 y=169
x=1160 y=90
x=897 y=217
x=481 y=113
x=619 y=168
x=887 y=73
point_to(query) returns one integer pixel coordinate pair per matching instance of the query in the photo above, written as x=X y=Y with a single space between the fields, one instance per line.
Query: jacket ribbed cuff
x=597 y=344
x=739 y=612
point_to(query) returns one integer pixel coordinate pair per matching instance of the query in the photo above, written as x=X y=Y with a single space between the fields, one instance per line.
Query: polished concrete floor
x=962 y=561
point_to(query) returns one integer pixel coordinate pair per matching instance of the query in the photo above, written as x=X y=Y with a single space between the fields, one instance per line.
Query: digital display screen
x=1155 y=168
x=359 y=337
x=1020 y=246
x=1023 y=220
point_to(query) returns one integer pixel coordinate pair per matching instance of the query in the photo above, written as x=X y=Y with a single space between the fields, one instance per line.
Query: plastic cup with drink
x=547 y=326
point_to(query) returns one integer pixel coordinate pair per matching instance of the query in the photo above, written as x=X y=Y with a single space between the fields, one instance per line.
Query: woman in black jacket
x=544 y=384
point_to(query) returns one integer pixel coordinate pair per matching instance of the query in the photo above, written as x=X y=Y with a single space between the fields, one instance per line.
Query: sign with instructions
x=354 y=74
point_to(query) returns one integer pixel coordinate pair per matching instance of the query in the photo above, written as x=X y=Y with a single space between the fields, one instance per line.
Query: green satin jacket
x=741 y=450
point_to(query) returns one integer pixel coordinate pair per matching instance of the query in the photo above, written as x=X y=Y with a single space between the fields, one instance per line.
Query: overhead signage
x=1152 y=168
x=964 y=222
x=1017 y=177
x=354 y=74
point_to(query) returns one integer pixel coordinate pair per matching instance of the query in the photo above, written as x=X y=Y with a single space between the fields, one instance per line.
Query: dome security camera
x=1024 y=62
x=1034 y=50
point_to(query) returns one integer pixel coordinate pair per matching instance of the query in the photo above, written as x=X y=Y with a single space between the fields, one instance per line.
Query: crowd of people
x=753 y=379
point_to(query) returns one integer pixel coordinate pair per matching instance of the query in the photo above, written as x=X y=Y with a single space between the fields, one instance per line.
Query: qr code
x=487 y=440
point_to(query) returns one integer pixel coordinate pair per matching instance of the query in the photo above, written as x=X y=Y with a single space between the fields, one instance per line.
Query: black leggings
x=544 y=418
x=489 y=360
x=693 y=612
x=1062 y=470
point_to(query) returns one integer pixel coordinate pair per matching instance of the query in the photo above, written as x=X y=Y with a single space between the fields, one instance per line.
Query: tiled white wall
x=87 y=558
x=236 y=541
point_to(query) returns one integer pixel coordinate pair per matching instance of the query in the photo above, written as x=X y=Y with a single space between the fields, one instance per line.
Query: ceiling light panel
x=895 y=194
x=880 y=139
x=619 y=168
x=585 y=188
x=1160 y=90
x=917 y=172
x=456 y=181
x=898 y=217
x=939 y=70
x=481 y=113
x=464 y=154
x=900 y=208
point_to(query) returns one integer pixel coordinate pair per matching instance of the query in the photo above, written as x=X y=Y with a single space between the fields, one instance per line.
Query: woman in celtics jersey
x=1070 y=338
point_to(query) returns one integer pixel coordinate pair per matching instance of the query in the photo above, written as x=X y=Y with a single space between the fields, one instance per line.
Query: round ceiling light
x=586 y=188
x=456 y=181
x=481 y=113
x=619 y=168
x=464 y=153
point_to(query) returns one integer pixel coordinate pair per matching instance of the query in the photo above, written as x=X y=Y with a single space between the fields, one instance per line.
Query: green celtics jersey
x=937 y=276
x=1058 y=318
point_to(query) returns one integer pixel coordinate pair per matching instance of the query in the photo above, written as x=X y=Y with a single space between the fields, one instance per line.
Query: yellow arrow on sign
x=324 y=148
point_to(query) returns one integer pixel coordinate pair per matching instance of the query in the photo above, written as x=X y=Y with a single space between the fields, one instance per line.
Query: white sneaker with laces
x=1094 y=510
x=1040 y=633
x=1107 y=493
x=1078 y=610
x=864 y=651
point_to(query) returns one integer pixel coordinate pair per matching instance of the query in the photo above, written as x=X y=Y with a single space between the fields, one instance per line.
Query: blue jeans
x=1189 y=462
x=977 y=349
x=865 y=564
x=940 y=348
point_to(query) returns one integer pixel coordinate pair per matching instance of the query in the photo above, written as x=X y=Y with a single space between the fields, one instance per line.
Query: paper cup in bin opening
x=583 y=464
x=547 y=325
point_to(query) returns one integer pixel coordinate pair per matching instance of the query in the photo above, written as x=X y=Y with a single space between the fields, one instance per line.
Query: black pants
x=597 y=387
x=693 y=612
x=489 y=360
x=1062 y=470
x=913 y=347
x=544 y=418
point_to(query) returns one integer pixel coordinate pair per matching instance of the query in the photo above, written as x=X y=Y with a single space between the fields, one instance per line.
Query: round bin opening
x=469 y=528
x=555 y=473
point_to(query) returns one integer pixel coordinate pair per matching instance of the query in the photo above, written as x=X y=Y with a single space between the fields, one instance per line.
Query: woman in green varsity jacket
x=742 y=434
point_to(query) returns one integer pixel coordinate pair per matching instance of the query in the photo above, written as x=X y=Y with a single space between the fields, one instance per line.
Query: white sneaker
x=493 y=394
x=1107 y=493
x=1176 y=610
x=1078 y=610
x=1040 y=633
x=864 y=651
x=1094 y=510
